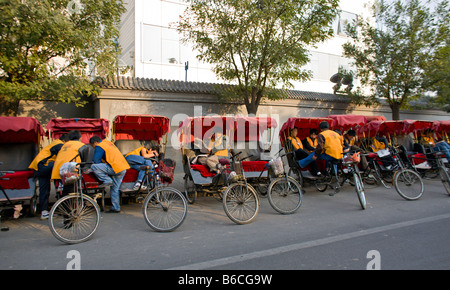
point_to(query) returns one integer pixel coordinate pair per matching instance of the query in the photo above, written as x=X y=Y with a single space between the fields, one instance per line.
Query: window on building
x=344 y=19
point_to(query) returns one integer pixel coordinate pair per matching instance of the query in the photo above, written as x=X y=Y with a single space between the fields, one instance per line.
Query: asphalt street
x=327 y=232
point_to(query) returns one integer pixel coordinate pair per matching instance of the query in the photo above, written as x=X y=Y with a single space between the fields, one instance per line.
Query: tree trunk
x=395 y=108
x=251 y=108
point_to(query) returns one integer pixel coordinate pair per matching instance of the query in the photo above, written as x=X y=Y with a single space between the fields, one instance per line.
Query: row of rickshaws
x=253 y=167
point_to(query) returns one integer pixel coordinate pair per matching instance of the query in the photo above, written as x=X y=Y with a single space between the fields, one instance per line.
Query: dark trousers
x=301 y=154
x=44 y=174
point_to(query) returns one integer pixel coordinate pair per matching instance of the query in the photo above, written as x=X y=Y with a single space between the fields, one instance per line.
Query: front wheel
x=164 y=209
x=74 y=218
x=445 y=178
x=359 y=188
x=241 y=203
x=285 y=195
x=408 y=184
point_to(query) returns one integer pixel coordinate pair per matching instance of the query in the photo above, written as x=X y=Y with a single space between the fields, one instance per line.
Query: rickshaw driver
x=42 y=164
x=428 y=140
x=217 y=147
x=136 y=159
x=110 y=167
x=301 y=153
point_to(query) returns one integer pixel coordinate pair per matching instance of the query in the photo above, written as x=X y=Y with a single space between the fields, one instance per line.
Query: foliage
x=51 y=49
x=257 y=44
x=390 y=56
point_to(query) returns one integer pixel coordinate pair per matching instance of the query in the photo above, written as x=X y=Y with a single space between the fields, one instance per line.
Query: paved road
x=326 y=233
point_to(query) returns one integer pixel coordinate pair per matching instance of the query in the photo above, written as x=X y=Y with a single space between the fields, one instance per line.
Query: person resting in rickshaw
x=300 y=152
x=137 y=158
x=329 y=146
x=217 y=149
x=379 y=144
x=310 y=142
x=428 y=140
x=350 y=139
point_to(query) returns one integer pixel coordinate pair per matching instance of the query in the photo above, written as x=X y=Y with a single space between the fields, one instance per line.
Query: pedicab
x=392 y=164
x=20 y=139
x=303 y=125
x=442 y=130
x=239 y=198
x=164 y=208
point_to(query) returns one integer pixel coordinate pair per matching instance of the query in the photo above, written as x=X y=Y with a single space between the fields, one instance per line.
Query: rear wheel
x=359 y=188
x=408 y=184
x=445 y=178
x=285 y=195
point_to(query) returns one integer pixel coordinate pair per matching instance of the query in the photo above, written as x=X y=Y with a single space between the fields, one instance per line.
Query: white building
x=151 y=46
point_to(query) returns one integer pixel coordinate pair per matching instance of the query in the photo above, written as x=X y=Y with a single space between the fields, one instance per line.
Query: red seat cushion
x=203 y=169
x=254 y=166
x=16 y=180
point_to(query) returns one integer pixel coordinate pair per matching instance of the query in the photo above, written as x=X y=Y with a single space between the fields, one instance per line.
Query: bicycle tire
x=164 y=209
x=285 y=195
x=190 y=192
x=71 y=224
x=359 y=188
x=404 y=180
x=240 y=203
x=297 y=175
x=445 y=178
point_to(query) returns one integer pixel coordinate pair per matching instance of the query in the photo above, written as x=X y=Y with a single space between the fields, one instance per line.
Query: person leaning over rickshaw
x=310 y=142
x=110 y=167
x=72 y=151
x=329 y=146
x=300 y=152
x=136 y=159
x=427 y=140
x=42 y=164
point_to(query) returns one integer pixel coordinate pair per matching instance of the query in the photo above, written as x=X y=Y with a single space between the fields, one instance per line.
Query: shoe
x=44 y=215
x=136 y=186
x=113 y=211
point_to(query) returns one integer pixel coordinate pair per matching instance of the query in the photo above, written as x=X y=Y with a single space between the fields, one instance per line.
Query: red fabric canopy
x=244 y=128
x=140 y=127
x=346 y=122
x=20 y=130
x=304 y=125
x=87 y=127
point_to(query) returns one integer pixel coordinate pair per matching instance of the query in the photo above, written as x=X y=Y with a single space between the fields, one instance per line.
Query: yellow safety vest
x=113 y=156
x=377 y=145
x=333 y=144
x=67 y=153
x=296 y=143
x=45 y=153
x=311 y=143
x=136 y=151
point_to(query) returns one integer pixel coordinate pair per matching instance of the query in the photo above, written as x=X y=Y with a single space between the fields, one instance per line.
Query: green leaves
x=46 y=47
x=257 y=45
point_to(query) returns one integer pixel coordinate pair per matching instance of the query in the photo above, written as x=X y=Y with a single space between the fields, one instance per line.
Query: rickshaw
x=88 y=127
x=303 y=125
x=408 y=183
x=164 y=208
x=240 y=200
x=20 y=138
x=346 y=168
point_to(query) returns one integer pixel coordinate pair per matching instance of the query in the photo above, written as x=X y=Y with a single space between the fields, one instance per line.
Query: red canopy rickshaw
x=442 y=130
x=347 y=122
x=303 y=125
x=88 y=128
x=20 y=138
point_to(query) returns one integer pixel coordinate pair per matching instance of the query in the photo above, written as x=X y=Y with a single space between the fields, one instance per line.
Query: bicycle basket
x=166 y=170
x=354 y=158
x=277 y=166
x=68 y=173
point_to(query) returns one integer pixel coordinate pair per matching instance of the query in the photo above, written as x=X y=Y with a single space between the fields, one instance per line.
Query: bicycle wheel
x=189 y=189
x=164 y=209
x=445 y=178
x=359 y=188
x=74 y=218
x=285 y=195
x=241 y=203
x=408 y=184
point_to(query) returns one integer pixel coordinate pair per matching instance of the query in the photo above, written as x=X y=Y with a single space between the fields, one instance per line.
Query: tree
x=257 y=44
x=51 y=49
x=390 y=56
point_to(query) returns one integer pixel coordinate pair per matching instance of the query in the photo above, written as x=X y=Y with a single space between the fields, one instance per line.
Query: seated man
x=428 y=140
x=380 y=143
x=217 y=147
x=350 y=139
x=110 y=167
x=300 y=153
x=310 y=142
x=136 y=159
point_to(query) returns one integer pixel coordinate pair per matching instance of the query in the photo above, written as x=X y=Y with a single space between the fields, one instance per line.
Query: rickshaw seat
x=16 y=180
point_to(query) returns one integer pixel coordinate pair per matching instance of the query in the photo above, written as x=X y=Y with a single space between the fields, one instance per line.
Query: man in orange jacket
x=110 y=167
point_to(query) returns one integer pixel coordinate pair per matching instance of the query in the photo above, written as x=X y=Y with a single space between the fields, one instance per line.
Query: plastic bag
x=68 y=173
x=277 y=166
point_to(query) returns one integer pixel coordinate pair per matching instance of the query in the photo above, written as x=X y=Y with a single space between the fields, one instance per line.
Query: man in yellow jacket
x=110 y=167
x=43 y=165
